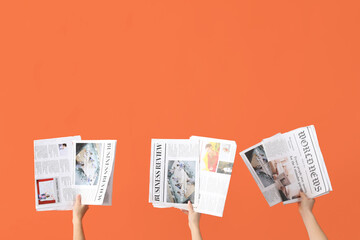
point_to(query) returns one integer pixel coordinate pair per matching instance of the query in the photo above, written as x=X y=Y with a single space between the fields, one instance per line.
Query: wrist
x=194 y=227
x=77 y=220
x=305 y=212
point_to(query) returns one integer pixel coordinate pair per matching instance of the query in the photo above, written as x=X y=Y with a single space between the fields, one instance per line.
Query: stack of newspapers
x=285 y=164
x=68 y=166
x=196 y=170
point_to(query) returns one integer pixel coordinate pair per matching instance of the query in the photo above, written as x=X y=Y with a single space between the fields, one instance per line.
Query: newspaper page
x=308 y=163
x=282 y=166
x=216 y=163
x=53 y=173
x=321 y=158
x=259 y=167
x=286 y=164
x=174 y=173
x=93 y=166
x=297 y=164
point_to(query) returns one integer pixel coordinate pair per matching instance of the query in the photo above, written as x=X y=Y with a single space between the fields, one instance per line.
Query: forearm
x=195 y=233
x=78 y=231
x=312 y=226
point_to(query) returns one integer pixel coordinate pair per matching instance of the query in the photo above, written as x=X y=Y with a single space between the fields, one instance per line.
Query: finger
x=303 y=196
x=190 y=207
x=78 y=199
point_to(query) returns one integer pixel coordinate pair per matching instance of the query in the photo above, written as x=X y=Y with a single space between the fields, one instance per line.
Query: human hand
x=194 y=217
x=306 y=204
x=79 y=210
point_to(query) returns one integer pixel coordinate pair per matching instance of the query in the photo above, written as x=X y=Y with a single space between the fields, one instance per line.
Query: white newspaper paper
x=285 y=164
x=216 y=163
x=174 y=178
x=54 y=173
x=198 y=170
x=60 y=173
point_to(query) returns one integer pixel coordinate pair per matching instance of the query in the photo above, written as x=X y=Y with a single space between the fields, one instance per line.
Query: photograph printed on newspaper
x=256 y=160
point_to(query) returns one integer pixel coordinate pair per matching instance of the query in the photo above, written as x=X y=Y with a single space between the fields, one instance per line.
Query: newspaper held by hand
x=196 y=169
x=67 y=166
x=285 y=164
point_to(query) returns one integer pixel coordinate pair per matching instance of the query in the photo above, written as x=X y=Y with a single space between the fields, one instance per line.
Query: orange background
x=136 y=70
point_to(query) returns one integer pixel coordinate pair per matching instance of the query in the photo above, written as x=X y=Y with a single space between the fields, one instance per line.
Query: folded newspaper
x=196 y=169
x=68 y=166
x=285 y=164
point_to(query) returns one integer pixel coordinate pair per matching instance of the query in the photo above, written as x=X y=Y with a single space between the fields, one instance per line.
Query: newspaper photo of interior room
x=181 y=181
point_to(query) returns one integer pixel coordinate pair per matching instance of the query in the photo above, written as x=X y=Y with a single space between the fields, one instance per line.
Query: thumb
x=303 y=195
x=78 y=199
x=190 y=207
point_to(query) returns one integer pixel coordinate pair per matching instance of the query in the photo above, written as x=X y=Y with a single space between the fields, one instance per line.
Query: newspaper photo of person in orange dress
x=211 y=157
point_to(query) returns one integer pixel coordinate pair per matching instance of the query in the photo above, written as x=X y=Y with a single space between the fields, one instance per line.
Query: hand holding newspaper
x=68 y=166
x=285 y=164
x=196 y=169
